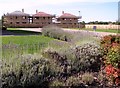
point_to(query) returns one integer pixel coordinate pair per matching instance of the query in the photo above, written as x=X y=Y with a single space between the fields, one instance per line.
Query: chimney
x=23 y=10
x=62 y=12
x=36 y=11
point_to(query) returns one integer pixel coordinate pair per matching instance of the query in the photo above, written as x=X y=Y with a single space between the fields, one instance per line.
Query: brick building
x=40 y=19
x=67 y=20
x=16 y=19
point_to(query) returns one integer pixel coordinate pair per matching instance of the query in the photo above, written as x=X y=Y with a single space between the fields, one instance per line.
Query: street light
x=79 y=21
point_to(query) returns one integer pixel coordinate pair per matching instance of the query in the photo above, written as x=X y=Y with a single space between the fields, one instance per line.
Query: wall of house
x=37 y=21
x=14 y=21
x=110 y=26
x=68 y=22
x=42 y=21
x=26 y=21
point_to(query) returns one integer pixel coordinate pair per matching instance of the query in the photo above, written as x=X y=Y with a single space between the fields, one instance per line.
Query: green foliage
x=56 y=83
x=113 y=56
x=111 y=48
x=32 y=71
x=73 y=81
x=56 y=32
x=88 y=78
x=83 y=58
x=88 y=57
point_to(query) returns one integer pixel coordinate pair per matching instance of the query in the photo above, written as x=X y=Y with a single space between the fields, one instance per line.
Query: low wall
x=102 y=26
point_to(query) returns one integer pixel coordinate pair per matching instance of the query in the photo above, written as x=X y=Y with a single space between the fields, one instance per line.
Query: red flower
x=117 y=81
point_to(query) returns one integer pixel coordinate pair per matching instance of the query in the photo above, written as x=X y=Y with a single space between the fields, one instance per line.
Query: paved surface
x=99 y=34
x=31 y=29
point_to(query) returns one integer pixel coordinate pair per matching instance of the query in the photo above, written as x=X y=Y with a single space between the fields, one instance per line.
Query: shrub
x=32 y=72
x=57 y=83
x=111 y=48
x=82 y=58
x=88 y=78
x=57 y=33
x=107 y=41
x=73 y=81
x=113 y=56
x=88 y=57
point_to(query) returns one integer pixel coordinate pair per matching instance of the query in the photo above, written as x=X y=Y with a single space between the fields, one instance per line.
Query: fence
x=102 y=26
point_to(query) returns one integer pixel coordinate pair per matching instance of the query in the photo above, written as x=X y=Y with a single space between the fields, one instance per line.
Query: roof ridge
x=42 y=14
x=68 y=15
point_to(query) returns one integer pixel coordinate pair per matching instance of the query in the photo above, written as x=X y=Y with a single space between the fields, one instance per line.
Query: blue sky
x=94 y=10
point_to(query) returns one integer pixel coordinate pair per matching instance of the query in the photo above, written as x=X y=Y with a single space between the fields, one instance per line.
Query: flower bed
x=111 y=48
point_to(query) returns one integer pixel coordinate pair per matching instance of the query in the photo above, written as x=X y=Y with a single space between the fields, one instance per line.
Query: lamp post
x=79 y=20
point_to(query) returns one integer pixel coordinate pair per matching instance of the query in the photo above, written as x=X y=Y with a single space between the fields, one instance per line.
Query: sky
x=90 y=10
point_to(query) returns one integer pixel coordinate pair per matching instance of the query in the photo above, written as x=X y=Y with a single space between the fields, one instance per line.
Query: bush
x=107 y=41
x=82 y=58
x=57 y=33
x=32 y=72
x=88 y=57
x=74 y=81
x=111 y=48
x=57 y=83
x=88 y=78
x=113 y=56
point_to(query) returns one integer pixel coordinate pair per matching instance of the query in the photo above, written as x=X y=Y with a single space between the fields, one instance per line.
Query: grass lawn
x=17 y=45
x=103 y=30
x=100 y=30
x=30 y=39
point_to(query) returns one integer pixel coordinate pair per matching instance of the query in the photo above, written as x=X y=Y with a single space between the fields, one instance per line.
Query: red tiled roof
x=68 y=15
x=42 y=14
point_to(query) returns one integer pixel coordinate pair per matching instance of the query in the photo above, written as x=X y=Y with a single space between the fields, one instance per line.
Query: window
x=44 y=18
x=37 y=23
x=36 y=18
x=16 y=17
x=24 y=22
x=30 y=20
x=17 y=22
x=24 y=17
x=10 y=22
